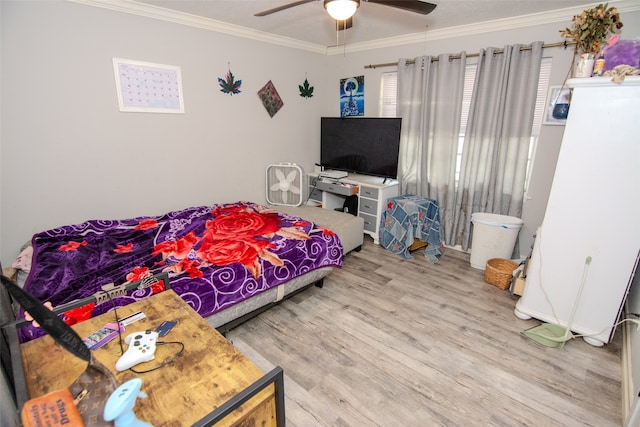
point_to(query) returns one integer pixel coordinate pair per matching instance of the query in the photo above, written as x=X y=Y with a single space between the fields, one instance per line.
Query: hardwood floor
x=388 y=342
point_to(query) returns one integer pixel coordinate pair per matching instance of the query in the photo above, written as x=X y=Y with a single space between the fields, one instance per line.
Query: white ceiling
x=309 y=23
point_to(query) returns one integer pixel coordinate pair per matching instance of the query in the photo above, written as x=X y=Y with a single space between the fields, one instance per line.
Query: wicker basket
x=499 y=272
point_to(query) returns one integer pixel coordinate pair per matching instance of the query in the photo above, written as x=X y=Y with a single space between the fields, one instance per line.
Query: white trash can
x=494 y=236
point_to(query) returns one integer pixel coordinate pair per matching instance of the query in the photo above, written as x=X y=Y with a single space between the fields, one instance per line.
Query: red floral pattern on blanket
x=216 y=256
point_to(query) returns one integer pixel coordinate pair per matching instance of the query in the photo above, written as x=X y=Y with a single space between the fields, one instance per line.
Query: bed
x=226 y=261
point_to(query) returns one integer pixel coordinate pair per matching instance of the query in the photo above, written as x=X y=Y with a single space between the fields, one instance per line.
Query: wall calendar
x=147 y=87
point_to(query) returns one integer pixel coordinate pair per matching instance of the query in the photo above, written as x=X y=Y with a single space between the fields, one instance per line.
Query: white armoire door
x=590 y=234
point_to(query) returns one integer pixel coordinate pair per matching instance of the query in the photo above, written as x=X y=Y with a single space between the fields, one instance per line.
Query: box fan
x=284 y=184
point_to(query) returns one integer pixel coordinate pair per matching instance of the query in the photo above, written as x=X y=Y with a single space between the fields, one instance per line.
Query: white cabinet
x=372 y=192
x=586 y=248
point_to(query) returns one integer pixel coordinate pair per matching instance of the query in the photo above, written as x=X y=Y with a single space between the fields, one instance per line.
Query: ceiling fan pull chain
x=344 y=46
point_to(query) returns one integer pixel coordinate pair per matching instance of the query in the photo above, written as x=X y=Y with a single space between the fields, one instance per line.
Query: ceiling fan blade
x=416 y=6
x=283 y=7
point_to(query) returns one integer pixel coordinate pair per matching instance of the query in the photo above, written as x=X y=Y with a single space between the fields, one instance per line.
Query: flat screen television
x=364 y=145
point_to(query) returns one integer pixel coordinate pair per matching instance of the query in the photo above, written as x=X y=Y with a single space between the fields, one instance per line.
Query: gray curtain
x=497 y=138
x=430 y=102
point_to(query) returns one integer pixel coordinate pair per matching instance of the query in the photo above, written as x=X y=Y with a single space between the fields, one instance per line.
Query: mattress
x=226 y=319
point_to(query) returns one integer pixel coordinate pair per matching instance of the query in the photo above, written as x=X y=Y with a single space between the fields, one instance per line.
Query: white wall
x=68 y=154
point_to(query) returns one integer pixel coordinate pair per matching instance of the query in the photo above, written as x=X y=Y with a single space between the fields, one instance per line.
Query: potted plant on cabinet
x=589 y=32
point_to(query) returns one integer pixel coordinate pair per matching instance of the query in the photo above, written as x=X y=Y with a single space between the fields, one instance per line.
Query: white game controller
x=142 y=348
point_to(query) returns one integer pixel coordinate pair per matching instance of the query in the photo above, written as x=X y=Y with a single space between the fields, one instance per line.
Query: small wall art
x=306 y=90
x=270 y=98
x=229 y=84
x=352 y=96
x=557 y=107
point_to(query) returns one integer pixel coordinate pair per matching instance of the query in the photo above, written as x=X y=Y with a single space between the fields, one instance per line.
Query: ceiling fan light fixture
x=341 y=9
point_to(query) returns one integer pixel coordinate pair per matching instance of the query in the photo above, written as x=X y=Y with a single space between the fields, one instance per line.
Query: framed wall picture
x=352 y=96
x=557 y=106
x=148 y=88
x=270 y=98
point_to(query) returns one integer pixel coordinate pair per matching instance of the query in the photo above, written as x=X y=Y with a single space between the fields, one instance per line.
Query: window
x=388 y=94
x=388 y=102
x=541 y=99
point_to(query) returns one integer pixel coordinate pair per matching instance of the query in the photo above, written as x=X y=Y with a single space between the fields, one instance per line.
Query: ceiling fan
x=343 y=10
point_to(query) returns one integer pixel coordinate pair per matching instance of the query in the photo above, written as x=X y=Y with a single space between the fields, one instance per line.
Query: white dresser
x=372 y=193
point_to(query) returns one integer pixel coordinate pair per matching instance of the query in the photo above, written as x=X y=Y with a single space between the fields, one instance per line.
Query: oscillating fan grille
x=284 y=184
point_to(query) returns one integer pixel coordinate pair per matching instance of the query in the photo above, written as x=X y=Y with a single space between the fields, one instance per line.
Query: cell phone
x=103 y=335
x=165 y=327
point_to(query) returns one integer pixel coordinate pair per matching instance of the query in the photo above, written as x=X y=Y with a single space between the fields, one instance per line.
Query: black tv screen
x=364 y=145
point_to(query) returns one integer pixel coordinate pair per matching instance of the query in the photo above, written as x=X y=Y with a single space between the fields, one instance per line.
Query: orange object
x=54 y=409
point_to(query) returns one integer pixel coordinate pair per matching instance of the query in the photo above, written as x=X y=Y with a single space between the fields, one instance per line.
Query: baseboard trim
x=630 y=397
x=626 y=360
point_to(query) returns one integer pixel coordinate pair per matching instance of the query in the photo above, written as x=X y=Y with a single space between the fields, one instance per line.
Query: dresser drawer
x=369 y=192
x=344 y=189
x=370 y=222
x=369 y=206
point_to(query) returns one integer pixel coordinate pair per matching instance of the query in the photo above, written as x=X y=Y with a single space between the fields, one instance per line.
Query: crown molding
x=167 y=15
x=163 y=14
x=551 y=17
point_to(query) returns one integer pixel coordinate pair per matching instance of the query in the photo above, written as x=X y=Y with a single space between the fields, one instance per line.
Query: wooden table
x=208 y=373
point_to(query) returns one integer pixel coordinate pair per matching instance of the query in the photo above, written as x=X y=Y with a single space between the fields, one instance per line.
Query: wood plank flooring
x=388 y=342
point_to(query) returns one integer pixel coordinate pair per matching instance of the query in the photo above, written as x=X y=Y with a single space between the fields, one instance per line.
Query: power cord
x=167 y=360
x=569 y=334
x=311 y=191
x=636 y=321
x=544 y=291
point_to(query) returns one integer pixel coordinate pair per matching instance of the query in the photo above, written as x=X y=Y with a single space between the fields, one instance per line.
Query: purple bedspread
x=216 y=256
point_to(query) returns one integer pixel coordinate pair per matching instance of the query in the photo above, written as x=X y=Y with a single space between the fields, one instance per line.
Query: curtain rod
x=471 y=55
